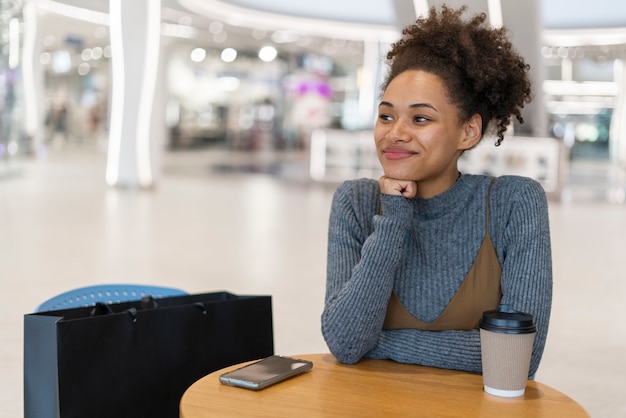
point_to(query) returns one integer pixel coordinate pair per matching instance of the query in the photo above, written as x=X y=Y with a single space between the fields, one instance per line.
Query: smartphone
x=265 y=372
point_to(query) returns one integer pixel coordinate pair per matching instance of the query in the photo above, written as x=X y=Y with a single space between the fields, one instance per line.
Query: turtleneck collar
x=442 y=203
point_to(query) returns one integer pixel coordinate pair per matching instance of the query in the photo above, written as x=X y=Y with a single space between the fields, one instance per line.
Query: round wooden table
x=372 y=388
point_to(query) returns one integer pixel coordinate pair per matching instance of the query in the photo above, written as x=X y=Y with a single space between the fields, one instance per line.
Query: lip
x=394 y=153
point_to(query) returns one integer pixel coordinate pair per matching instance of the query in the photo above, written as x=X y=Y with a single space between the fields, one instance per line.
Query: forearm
x=527 y=269
x=353 y=317
x=360 y=280
x=458 y=350
x=531 y=291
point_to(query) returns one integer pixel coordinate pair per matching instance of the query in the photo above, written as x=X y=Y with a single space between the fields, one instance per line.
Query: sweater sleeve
x=360 y=267
x=526 y=251
x=458 y=350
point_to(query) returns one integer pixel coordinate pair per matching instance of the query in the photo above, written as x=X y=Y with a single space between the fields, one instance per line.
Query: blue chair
x=106 y=293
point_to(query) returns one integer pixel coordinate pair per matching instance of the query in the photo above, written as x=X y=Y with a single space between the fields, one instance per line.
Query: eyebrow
x=411 y=106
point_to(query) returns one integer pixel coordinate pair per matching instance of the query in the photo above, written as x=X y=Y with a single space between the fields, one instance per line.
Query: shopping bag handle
x=100 y=309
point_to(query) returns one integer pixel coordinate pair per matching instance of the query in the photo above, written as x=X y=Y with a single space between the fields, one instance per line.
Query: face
x=418 y=135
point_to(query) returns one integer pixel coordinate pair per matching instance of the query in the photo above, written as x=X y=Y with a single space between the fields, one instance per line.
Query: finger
x=410 y=190
x=390 y=186
x=397 y=187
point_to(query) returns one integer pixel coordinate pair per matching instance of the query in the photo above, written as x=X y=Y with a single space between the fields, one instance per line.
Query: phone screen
x=266 y=372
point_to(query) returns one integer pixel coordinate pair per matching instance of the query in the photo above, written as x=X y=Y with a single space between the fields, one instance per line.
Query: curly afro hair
x=480 y=69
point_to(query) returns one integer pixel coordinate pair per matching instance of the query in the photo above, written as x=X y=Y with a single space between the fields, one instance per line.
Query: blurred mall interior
x=252 y=77
x=238 y=118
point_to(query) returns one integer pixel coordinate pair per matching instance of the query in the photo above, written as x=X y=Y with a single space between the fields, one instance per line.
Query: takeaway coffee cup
x=506 y=341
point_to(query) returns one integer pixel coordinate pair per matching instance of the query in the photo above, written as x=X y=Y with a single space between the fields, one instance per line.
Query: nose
x=398 y=132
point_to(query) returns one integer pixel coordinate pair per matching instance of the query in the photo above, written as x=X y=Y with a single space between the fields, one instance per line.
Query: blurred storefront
x=581 y=95
x=236 y=99
x=266 y=95
x=584 y=94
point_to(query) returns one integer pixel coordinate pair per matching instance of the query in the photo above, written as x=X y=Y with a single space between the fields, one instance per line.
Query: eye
x=420 y=119
x=384 y=117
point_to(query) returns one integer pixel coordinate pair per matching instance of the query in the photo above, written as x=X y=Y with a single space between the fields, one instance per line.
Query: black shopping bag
x=133 y=360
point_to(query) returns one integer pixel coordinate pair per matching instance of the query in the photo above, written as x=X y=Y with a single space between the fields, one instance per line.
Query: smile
x=397 y=153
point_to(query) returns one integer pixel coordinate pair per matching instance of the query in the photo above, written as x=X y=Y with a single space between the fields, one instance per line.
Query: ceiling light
x=83 y=69
x=268 y=53
x=258 y=34
x=45 y=58
x=228 y=55
x=216 y=27
x=96 y=53
x=178 y=31
x=284 y=36
x=86 y=54
x=220 y=37
x=198 y=54
x=61 y=61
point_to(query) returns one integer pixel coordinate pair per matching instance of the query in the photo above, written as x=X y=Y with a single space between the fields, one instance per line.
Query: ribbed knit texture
x=423 y=248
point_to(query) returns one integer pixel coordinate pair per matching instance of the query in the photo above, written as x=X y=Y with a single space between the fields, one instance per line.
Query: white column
x=523 y=19
x=370 y=80
x=617 y=138
x=618 y=120
x=136 y=131
x=32 y=79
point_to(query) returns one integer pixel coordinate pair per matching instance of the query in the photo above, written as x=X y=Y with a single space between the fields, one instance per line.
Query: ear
x=473 y=131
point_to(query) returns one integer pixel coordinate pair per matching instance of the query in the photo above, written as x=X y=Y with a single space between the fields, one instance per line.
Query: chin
x=398 y=175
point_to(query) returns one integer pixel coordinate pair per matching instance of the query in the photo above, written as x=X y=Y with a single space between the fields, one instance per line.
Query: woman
x=416 y=257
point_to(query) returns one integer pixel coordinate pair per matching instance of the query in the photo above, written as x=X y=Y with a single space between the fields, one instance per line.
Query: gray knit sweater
x=423 y=248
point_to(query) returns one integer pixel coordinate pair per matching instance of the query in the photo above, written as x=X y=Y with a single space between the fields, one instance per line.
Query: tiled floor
x=203 y=229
